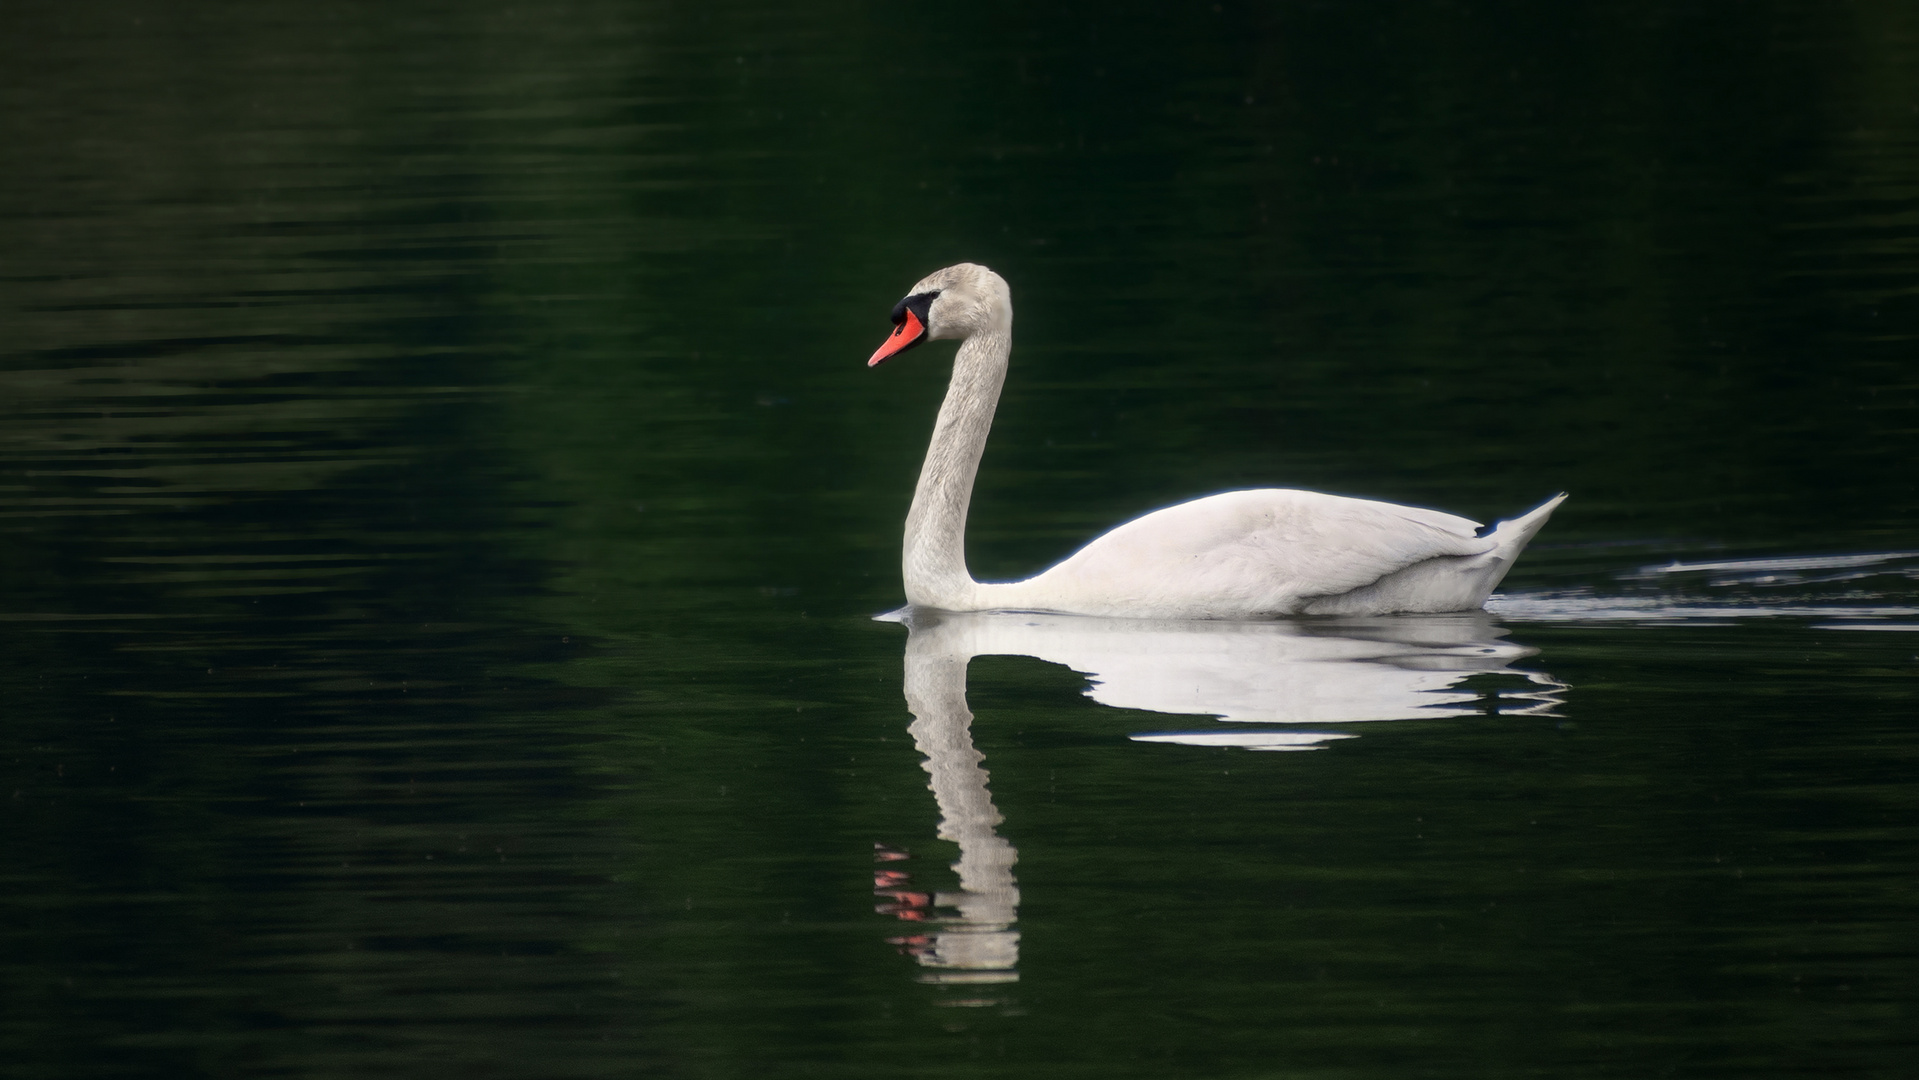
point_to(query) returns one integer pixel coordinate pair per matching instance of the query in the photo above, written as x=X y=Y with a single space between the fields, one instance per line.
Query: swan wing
x=1249 y=553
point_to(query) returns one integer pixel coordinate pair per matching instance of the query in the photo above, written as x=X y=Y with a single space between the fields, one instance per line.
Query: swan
x=1254 y=554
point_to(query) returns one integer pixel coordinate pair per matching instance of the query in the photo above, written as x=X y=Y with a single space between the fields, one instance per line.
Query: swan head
x=957 y=302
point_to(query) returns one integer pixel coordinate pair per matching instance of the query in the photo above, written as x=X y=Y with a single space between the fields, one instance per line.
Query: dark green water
x=442 y=507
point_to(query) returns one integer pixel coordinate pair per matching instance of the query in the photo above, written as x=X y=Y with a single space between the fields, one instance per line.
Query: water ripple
x=1865 y=589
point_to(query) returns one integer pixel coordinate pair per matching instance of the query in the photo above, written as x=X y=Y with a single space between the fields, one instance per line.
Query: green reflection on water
x=444 y=500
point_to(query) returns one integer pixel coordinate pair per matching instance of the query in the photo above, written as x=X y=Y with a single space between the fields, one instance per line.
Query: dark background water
x=442 y=504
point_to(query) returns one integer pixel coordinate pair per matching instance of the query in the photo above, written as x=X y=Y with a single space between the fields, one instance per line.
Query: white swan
x=1237 y=555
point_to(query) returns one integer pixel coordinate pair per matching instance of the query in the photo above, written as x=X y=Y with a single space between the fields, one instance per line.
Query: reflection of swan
x=1285 y=672
x=979 y=945
x=1241 y=554
x=1330 y=671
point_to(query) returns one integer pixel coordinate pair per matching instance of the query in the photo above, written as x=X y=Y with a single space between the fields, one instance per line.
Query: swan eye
x=919 y=304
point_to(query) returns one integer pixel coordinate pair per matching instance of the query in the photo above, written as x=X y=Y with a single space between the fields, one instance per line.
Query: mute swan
x=1236 y=555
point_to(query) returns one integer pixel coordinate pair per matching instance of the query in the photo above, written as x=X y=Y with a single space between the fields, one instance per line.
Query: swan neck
x=934 y=560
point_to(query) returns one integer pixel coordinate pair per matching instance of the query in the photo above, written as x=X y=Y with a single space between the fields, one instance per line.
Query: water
x=444 y=510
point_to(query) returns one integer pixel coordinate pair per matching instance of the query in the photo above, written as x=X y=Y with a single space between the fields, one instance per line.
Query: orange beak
x=906 y=333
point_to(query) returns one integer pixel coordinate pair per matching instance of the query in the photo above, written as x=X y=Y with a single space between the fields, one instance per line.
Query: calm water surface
x=443 y=510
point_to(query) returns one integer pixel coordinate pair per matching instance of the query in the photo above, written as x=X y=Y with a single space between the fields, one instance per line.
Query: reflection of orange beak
x=908 y=905
x=906 y=333
x=913 y=944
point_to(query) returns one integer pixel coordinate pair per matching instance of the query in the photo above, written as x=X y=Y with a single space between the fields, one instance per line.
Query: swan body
x=1236 y=555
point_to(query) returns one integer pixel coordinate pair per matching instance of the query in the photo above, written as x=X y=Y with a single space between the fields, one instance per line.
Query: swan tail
x=1481 y=574
x=1514 y=534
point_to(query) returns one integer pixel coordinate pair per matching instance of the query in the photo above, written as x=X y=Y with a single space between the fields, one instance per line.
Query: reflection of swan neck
x=987 y=902
x=942 y=730
x=934 y=563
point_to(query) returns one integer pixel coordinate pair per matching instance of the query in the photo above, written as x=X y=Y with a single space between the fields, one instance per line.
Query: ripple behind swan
x=1855 y=591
